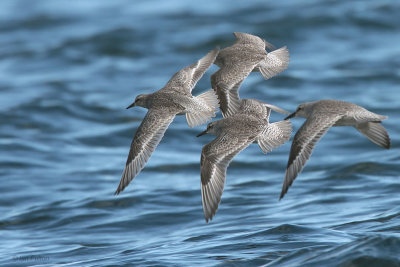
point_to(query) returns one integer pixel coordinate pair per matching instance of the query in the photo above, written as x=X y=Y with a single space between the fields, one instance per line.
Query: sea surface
x=68 y=69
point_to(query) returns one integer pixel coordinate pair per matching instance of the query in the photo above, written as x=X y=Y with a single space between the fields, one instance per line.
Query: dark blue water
x=68 y=69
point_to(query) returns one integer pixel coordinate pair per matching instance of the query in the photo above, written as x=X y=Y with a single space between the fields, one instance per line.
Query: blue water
x=68 y=69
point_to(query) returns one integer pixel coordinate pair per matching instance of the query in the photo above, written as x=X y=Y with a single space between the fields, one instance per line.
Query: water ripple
x=67 y=72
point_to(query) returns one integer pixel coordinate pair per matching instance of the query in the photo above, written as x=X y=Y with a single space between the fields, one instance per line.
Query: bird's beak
x=202 y=133
x=291 y=116
x=131 y=105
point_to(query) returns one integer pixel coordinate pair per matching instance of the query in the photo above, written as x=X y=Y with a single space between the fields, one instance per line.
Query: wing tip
x=212 y=54
x=285 y=189
x=120 y=188
x=386 y=143
x=283 y=193
x=208 y=218
x=288 y=181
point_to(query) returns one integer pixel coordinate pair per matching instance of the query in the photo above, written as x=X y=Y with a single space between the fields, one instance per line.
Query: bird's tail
x=275 y=62
x=209 y=101
x=274 y=135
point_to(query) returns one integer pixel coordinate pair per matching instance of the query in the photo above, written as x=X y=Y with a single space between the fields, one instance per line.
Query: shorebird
x=234 y=133
x=321 y=115
x=175 y=98
x=236 y=62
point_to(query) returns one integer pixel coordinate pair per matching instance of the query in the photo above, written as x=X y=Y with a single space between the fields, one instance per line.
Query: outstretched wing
x=303 y=144
x=246 y=38
x=215 y=158
x=227 y=92
x=375 y=132
x=186 y=79
x=237 y=65
x=146 y=139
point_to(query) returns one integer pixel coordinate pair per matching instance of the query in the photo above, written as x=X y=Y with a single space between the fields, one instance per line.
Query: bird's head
x=212 y=128
x=140 y=100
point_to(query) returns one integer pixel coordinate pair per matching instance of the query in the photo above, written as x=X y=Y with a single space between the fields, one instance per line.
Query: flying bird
x=236 y=62
x=321 y=115
x=175 y=98
x=234 y=133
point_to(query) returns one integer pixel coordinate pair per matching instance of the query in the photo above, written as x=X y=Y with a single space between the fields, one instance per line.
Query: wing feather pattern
x=186 y=79
x=303 y=144
x=215 y=158
x=146 y=139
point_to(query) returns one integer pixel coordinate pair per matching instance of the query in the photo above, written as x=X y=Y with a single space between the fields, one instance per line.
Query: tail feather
x=275 y=62
x=375 y=132
x=209 y=101
x=275 y=135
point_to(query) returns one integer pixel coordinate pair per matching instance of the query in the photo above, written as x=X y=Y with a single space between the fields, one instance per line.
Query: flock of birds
x=244 y=122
